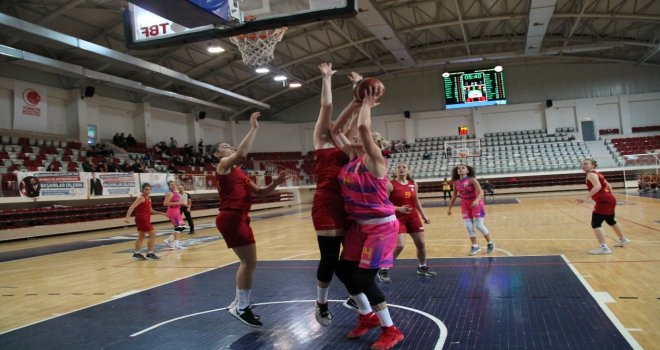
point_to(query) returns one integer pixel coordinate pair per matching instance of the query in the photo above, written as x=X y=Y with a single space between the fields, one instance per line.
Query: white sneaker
x=601 y=251
x=170 y=242
x=621 y=242
x=177 y=245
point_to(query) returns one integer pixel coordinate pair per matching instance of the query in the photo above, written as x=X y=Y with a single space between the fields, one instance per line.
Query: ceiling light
x=295 y=84
x=280 y=77
x=262 y=70
x=215 y=49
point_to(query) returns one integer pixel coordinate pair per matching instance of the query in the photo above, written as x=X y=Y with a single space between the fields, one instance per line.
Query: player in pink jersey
x=601 y=192
x=328 y=215
x=369 y=244
x=143 y=211
x=473 y=209
x=235 y=190
x=173 y=203
x=403 y=194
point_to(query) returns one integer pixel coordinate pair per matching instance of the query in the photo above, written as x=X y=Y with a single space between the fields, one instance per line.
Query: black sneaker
x=491 y=247
x=424 y=271
x=138 y=256
x=180 y=228
x=191 y=232
x=350 y=304
x=384 y=276
x=246 y=316
x=152 y=256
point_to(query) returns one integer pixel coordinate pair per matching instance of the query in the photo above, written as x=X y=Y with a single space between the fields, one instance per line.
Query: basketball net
x=258 y=48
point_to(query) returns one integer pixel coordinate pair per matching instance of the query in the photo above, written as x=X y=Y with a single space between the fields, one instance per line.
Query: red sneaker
x=390 y=337
x=365 y=323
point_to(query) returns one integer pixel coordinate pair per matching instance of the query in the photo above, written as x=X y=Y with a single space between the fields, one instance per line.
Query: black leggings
x=358 y=280
x=329 y=248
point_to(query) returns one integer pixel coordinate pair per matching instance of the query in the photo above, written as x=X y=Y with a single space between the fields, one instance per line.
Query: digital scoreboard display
x=474 y=88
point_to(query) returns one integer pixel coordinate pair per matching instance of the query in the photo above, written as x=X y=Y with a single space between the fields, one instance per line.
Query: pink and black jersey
x=365 y=196
x=465 y=188
x=234 y=190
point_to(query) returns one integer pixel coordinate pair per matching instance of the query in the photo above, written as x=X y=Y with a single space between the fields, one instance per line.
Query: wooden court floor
x=42 y=287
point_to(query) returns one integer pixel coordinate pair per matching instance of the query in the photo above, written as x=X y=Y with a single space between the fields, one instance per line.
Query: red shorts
x=328 y=211
x=605 y=206
x=234 y=226
x=472 y=213
x=143 y=224
x=371 y=244
x=410 y=223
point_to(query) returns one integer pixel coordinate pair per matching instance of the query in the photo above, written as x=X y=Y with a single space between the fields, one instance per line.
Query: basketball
x=362 y=86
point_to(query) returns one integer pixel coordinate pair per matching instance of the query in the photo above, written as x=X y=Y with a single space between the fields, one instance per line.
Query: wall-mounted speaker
x=89 y=91
x=406 y=114
x=201 y=115
x=548 y=103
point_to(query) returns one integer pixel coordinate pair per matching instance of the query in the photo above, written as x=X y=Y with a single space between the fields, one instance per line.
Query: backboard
x=157 y=23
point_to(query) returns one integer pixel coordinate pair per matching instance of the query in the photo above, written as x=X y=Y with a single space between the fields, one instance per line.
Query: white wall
x=644 y=110
x=166 y=124
x=6 y=107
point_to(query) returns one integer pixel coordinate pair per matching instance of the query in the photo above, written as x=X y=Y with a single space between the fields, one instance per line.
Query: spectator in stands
x=207 y=158
x=88 y=167
x=233 y=221
x=200 y=146
x=95 y=186
x=52 y=167
x=130 y=141
x=102 y=167
x=125 y=166
x=601 y=192
x=645 y=182
x=138 y=167
x=115 y=139
x=172 y=169
x=147 y=160
x=189 y=149
x=426 y=156
x=186 y=208
x=173 y=143
x=112 y=168
x=143 y=211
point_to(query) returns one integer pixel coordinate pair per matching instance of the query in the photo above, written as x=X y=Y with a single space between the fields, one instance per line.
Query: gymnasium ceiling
x=444 y=34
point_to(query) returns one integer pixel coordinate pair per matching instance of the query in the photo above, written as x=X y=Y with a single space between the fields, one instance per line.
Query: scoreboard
x=474 y=88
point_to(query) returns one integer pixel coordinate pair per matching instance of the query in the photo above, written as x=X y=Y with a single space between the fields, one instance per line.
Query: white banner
x=111 y=184
x=158 y=181
x=30 y=107
x=51 y=184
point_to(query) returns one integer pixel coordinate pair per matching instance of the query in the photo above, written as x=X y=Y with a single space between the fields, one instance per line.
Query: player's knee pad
x=345 y=271
x=329 y=248
x=469 y=226
x=481 y=227
x=366 y=279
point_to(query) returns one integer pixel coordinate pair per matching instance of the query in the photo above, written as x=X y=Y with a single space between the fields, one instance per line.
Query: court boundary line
x=612 y=317
x=442 y=338
x=112 y=298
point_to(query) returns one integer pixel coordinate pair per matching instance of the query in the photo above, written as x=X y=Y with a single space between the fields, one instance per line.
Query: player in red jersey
x=601 y=192
x=328 y=215
x=236 y=189
x=403 y=194
x=143 y=211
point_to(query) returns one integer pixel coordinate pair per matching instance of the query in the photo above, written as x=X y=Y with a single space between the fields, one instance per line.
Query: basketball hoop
x=462 y=156
x=258 y=48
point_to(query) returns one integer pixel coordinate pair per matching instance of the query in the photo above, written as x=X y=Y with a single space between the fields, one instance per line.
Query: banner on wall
x=158 y=181
x=51 y=184
x=112 y=184
x=30 y=107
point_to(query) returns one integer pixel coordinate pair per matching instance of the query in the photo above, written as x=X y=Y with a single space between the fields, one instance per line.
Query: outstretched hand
x=326 y=69
x=282 y=177
x=354 y=77
x=253 y=120
x=371 y=96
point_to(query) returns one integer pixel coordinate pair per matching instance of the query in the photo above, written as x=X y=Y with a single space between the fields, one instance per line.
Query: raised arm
x=338 y=129
x=226 y=163
x=373 y=160
x=322 y=127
